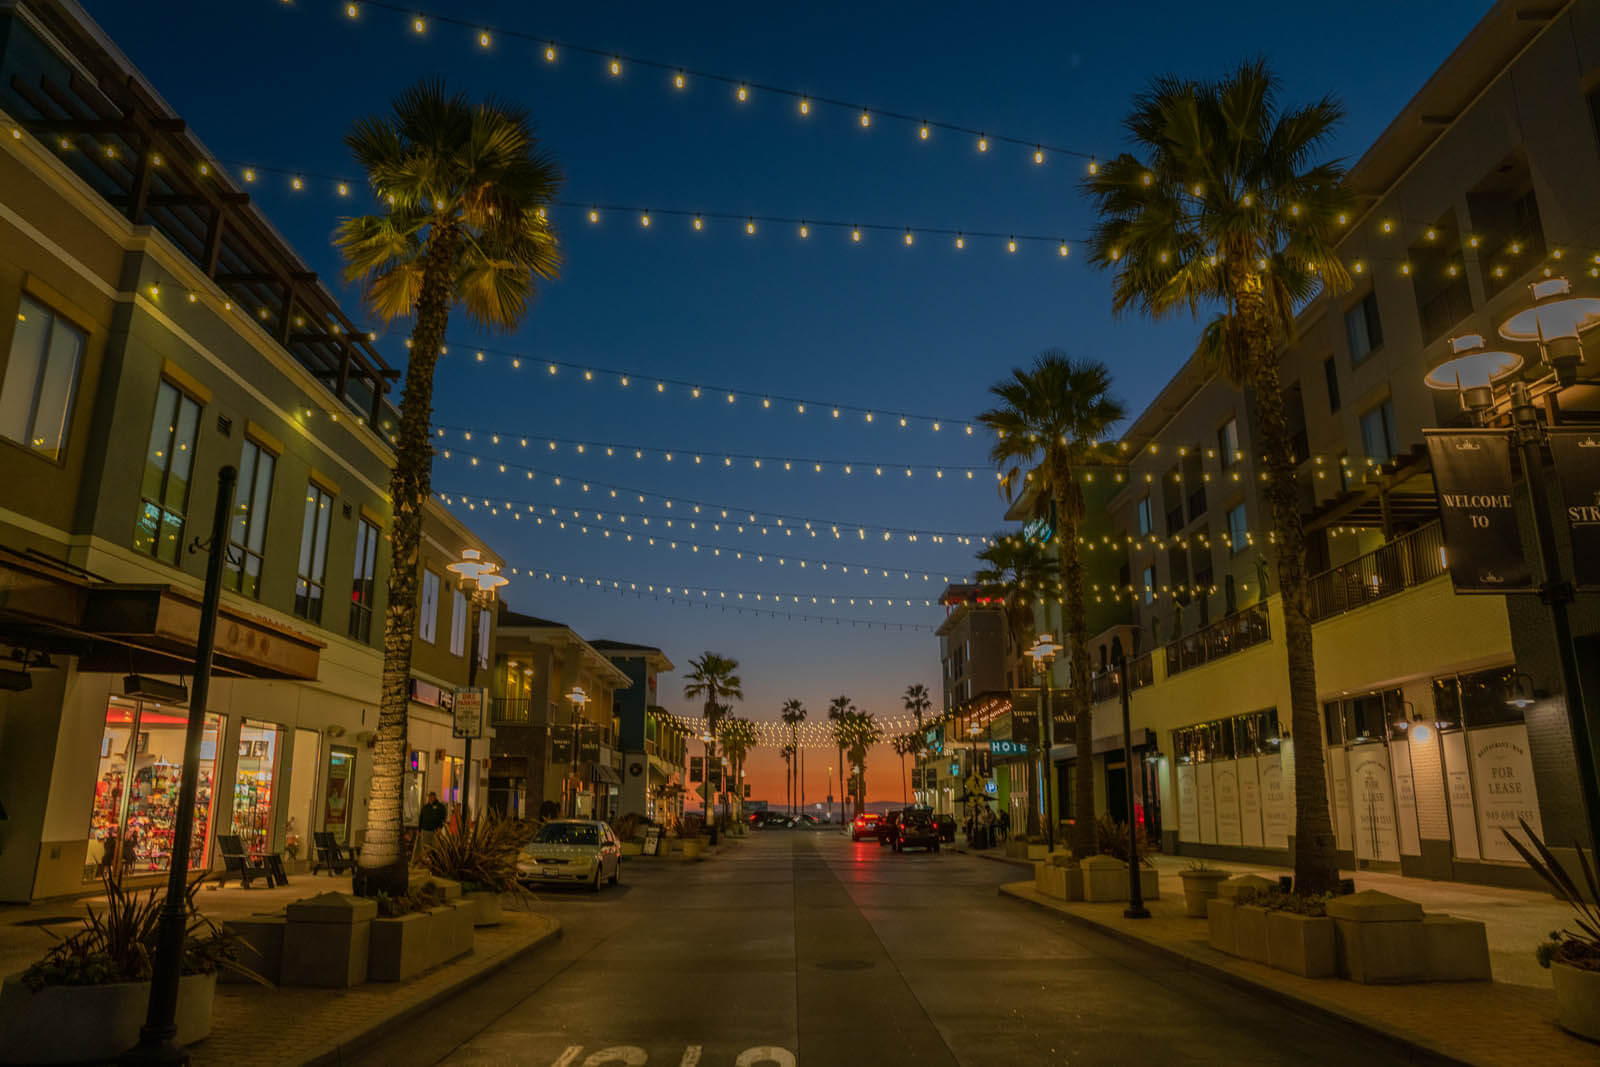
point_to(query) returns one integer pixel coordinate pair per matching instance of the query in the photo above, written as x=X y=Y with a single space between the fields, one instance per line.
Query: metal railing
x=1233 y=634
x=511 y=710
x=1144 y=672
x=1405 y=562
x=1107 y=684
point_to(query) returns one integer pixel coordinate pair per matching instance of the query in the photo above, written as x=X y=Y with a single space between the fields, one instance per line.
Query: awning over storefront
x=604 y=774
x=49 y=607
x=1141 y=736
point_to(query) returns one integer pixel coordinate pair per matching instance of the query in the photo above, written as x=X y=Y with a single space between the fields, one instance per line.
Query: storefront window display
x=253 y=783
x=1489 y=783
x=1232 y=782
x=136 y=788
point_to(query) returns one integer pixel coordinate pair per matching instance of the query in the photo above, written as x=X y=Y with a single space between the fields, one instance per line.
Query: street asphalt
x=797 y=946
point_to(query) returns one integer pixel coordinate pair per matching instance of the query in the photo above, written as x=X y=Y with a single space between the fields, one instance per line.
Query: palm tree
x=838 y=708
x=465 y=190
x=1225 y=207
x=794 y=713
x=856 y=732
x=1048 y=428
x=738 y=736
x=903 y=745
x=711 y=678
x=1025 y=574
x=918 y=703
x=787 y=752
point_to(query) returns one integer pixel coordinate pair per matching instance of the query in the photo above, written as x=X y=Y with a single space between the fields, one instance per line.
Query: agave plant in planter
x=482 y=856
x=86 y=999
x=1573 y=956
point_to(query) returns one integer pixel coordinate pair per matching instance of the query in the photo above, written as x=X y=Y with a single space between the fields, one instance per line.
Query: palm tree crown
x=1025 y=574
x=711 y=679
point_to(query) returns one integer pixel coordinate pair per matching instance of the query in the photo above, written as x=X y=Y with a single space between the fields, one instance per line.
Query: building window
x=1238 y=529
x=363 y=588
x=313 y=569
x=1377 y=432
x=428 y=609
x=247 y=530
x=1330 y=374
x=1363 y=329
x=1149 y=584
x=1146 y=523
x=41 y=379
x=458 y=624
x=1228 y=443
x=168 y=466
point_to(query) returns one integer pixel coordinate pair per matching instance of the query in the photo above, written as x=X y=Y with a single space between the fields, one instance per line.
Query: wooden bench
x=328 y=854
x=237 y=861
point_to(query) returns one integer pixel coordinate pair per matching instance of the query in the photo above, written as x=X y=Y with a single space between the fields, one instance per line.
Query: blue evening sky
x=922 y=329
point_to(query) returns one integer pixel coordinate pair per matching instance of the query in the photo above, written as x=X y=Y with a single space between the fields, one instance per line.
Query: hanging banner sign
x=1477 y=511
x=1025 y=716
x=1577 y=458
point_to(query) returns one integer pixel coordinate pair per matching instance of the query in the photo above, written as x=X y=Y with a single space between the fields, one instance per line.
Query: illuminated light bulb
x=516 y=364
x=730 y=398
x=205 y=168
x=249 y=175
x=1147 y=178
x=616 y=67
x=695 y=392
x=644 y=219
x=698 y=222
x=549 y=53
x=1063 y=249
x=344 y=190
x=855 y=234
x=1473 y=241
x=296 y=184
x=1116 y=253
x=909 y=238
x=922 y=131
x=661 y=387
x=417 y=25
x=866 y=118
x=1516 y=247
x=1011 y=244
x=1387 y=227
x=588 y=376
x=805 y=231
x=679 y=80
x=193 y=297
x=552 y=368
x=805 y=106
x=869 y=416
x=483 y=39
x=1405 y=268
x=1038 y=155
x=935 y=427
x=983 y=143
x=1094 y=168
x=836 y=413
x=1343 y=218
x=1358 y=266
x=961 y=242
x=1452 y=271
x=594 y=215
x=743 y=94
x=350 y=10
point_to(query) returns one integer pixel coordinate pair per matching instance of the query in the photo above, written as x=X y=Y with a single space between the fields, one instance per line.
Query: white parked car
x=572 y=852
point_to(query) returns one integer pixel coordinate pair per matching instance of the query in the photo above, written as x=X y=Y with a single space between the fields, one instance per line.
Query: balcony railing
x=1233 y=634
x=1144 y=672
x=509 y=710
x=1406 y=561
x=1107 y=684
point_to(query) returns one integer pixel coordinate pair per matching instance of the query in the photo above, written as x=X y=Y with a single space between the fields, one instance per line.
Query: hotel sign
x=1477 y=511
x=1577 y=458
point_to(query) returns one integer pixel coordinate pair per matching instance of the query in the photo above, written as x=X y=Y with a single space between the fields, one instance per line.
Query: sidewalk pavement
x=293 y=1025
x=1509 y=1020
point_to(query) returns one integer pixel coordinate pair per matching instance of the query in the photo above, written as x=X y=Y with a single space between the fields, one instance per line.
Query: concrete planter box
x=326 y=941
x=1302 y=944
x=1458 y=949
x=456 y=922
x=633 y=848
x=1230 y=888
x=1038 y=852
x=1577 y=999
x=1104 y=878
x=1199 y=887
x=401 y=947
x=97 y=1023
x=485 y=907
x=1017 y=850
x=1250 y=933
x=1220 y=924
x=260 y=947
x=691 y=847
x=1380 y=937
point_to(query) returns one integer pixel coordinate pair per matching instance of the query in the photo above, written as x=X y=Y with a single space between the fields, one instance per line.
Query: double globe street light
x=481 y=580
x=1043 y=653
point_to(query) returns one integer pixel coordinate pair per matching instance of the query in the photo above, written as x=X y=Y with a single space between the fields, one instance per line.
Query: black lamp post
x=480 y=580
x=1043 y=653
x=158 y=1038
x=1135 y=908
x=578 y=698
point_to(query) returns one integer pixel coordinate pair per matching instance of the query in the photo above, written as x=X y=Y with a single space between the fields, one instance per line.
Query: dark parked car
x=865 y=825
x=886 y=827
x=916 y=829
x=763 y=820
x=946 y=825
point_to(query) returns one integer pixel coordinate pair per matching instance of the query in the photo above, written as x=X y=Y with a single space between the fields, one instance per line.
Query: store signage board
x=1577 y=459
x=1008 y=747
x=1477 y=511
x=468 y=717
x=652 y=841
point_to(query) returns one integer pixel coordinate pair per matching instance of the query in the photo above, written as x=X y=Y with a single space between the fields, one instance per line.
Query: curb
x=333 y=1052
x=1026 y=865
x=1415 y=1049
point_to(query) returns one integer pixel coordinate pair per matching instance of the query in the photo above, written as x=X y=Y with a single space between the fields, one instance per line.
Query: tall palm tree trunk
x=1316 y=862
x=1083 y=829
x=383 y=867
x=904 y=797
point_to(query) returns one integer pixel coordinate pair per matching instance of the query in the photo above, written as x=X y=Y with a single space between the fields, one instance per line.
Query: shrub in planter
x=482 y=856
x=86 y=999
x=1300 y=936
x=1200 y=884
x=1573 y=956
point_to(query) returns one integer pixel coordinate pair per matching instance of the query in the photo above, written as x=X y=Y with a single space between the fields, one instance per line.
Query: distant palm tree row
x=1223 y=209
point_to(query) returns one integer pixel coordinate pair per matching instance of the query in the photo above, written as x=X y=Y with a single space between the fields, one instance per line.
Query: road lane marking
x=630 y=1055
x=566 y=1058
x=691 y=1056
x=765 y=1054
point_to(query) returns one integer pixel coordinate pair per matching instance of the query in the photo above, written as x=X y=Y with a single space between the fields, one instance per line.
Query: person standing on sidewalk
x=429 y=819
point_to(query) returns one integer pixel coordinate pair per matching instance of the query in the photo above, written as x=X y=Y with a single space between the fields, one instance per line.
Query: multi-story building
x=636 y=738
x=145 y=302
x=551 y=751
x=1432 y=702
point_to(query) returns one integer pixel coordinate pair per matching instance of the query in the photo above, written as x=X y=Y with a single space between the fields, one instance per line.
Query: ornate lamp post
x=1490 y=388
x=1043 y=654
x=577 y=698
x=480 y=579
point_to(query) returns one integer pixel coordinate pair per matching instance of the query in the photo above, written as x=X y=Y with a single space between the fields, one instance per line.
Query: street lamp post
x=578 y=699
x=1043 y=653
x=480 y=578
x=1135 y=908
x=1554 y=323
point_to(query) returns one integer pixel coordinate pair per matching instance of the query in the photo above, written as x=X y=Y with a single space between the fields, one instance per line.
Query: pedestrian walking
x=429 y=819
x=1005 y=825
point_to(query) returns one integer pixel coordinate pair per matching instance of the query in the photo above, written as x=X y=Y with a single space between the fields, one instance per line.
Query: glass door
x=338 y=781
x=254 y=780
x=302 y=794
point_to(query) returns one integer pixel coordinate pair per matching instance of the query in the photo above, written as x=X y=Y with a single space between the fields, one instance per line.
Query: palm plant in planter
x=482 y=856
x=86 y=999
x=1572 y=956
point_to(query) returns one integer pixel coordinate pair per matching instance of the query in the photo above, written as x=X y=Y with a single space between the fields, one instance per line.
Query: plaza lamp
x=1043 y=654
x=1135 y=908
x=480 y=580
x=577 y=698
x=1489 y=389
